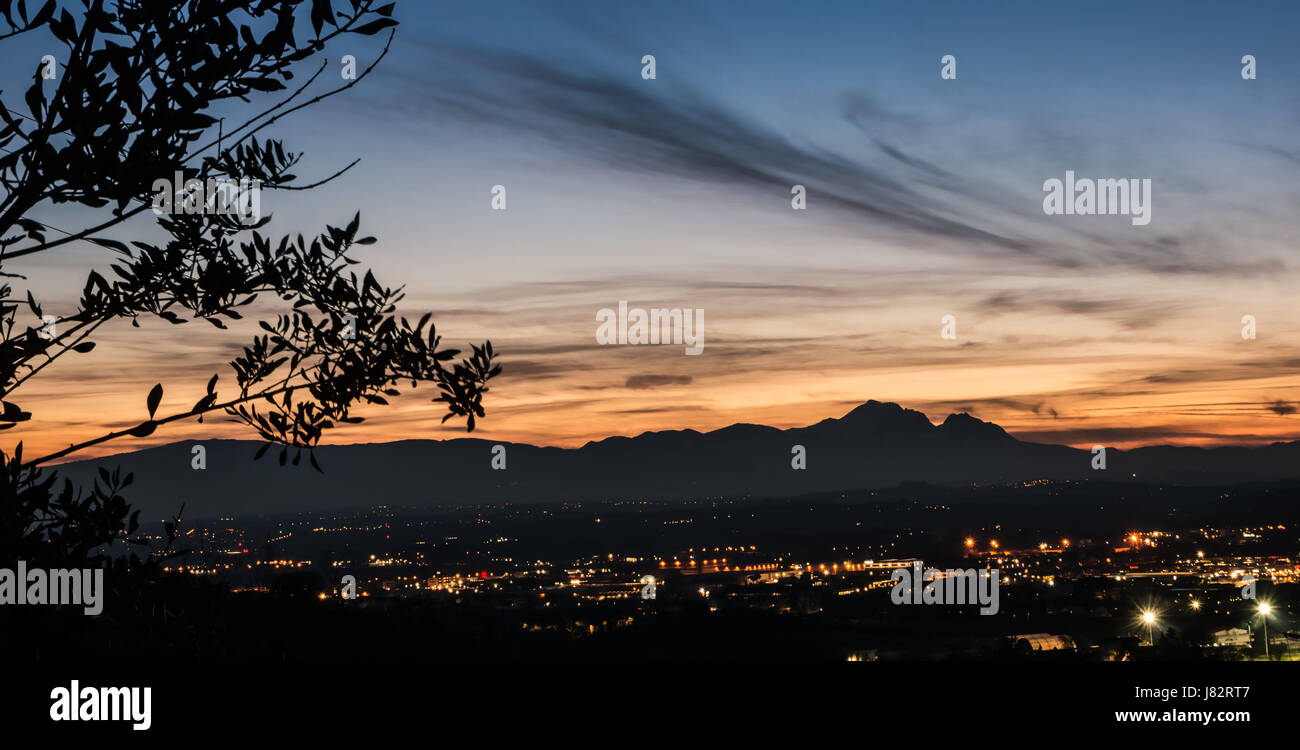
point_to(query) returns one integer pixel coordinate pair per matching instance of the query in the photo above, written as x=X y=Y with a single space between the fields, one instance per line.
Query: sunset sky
x=924 y=200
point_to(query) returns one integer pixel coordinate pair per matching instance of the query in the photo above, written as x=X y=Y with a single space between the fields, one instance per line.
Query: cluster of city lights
x=1150 y=619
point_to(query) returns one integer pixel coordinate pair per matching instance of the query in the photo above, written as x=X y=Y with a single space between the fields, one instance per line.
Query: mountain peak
x=965 y=425
x=877 y=415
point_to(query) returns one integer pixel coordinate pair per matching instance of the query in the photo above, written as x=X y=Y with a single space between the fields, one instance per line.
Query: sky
x=924 y=199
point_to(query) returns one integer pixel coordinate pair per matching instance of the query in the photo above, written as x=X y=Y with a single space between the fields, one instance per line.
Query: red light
x=482 y=574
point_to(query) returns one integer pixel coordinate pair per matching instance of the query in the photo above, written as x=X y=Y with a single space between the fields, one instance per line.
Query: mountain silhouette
x=876 y=445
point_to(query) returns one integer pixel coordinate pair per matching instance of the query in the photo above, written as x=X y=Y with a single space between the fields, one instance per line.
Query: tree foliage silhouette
x=132 y=99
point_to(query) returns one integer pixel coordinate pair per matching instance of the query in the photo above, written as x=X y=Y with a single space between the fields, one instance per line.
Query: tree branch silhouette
x=133 y=105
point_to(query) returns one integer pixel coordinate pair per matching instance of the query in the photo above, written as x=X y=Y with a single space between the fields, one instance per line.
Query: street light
x=1149 y=618
x=1264 y=610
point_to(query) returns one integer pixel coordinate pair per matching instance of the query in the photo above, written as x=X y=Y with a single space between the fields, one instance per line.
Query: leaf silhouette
x=144 y=429
x=155 y=397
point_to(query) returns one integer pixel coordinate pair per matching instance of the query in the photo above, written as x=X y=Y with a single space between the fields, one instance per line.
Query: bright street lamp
x=1264 y=610
x=1149 y=619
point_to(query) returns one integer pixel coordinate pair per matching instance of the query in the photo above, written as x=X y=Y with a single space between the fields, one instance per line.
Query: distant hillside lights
x=1088 y=197
x=656 y=326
